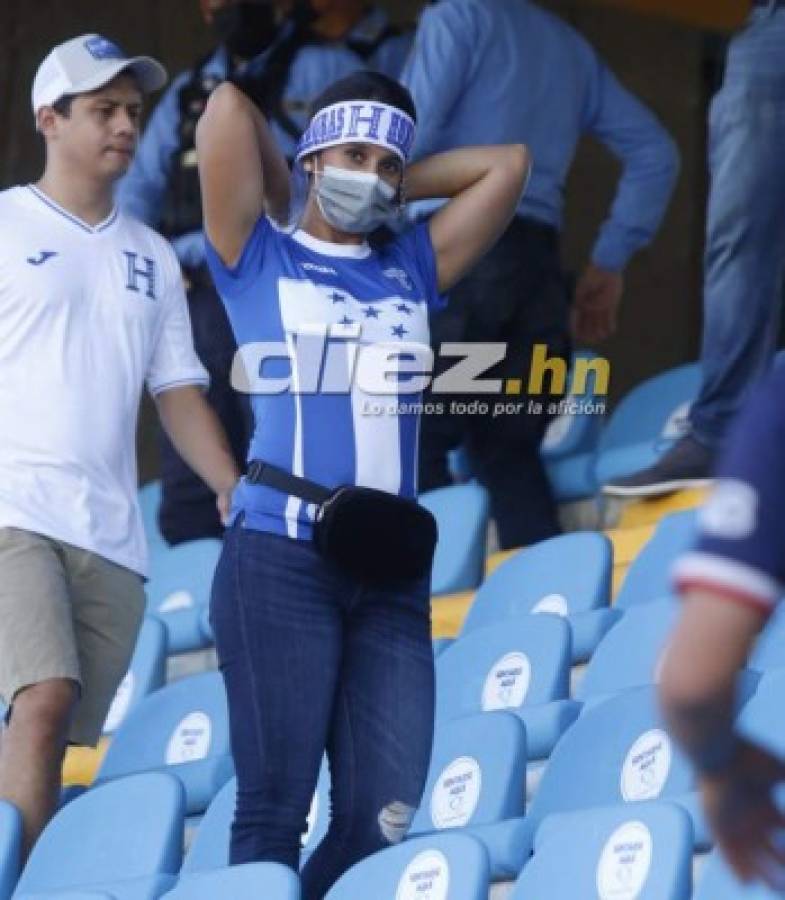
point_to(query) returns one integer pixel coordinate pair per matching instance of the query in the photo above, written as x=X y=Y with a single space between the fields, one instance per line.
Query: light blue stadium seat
x=253 y=881
x=149 y=498
x=762 y=719
x=10 y=848
x=717 y=882
x=649 y=576
x=646 y=423
x=618 y=752
x=769 y=651
x=569 y=575
x=572 y=478
x=522 y=666
x=571 y=439
x=179 y=589
x=640 y=853
x=453 y=866
x=123 y=839
x=181 y=729
x=147 y=672
x=630 y=653
x=477 y=782
x=461 y=512
x=210 y=847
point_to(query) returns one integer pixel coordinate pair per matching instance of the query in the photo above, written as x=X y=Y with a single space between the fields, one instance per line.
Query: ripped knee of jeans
x=394 y=821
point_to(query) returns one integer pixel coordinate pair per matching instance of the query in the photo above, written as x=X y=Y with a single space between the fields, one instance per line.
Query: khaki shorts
x=66 y=613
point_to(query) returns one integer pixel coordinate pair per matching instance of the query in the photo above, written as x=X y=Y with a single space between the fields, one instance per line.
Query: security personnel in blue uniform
x=501 y=71
x=285 y=52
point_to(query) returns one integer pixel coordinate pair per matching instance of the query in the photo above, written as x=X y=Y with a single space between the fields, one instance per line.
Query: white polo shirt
x=87 y=315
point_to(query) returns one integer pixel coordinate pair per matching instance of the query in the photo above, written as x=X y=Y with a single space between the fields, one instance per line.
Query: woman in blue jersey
x=316 y=657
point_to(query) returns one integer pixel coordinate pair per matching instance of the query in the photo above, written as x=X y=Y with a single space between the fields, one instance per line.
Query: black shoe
x=687 y=464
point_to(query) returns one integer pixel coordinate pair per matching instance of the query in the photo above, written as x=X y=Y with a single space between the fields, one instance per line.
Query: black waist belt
x=378 y=538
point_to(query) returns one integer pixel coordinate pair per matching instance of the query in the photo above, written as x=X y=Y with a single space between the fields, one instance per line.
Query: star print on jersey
x=346 y=321
x=337 y=298
x=399 y=331
x=371 y=312
x=402 y=307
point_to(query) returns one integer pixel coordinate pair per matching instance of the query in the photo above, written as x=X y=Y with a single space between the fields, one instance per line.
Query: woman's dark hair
x=367 y=85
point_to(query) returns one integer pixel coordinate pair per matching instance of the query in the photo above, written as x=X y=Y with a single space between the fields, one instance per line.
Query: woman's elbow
x=225 y=103
x=518 y=163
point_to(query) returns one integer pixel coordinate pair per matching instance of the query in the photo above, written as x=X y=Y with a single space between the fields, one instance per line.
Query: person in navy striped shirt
x=731 y=582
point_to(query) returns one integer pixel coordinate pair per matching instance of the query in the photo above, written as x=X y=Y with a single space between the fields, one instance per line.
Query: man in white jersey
x=91 y=308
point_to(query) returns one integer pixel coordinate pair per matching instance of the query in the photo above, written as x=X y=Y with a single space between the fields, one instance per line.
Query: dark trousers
x=517 y=295
x=188 y=510
x=313 y=661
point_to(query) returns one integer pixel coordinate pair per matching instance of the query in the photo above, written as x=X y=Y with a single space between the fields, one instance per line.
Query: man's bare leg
x=32 y=751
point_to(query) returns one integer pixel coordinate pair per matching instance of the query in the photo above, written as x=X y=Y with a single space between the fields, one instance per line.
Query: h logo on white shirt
x=135 y=272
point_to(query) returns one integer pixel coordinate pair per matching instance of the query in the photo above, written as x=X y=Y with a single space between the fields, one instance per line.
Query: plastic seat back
x=630 y=655
x=643 y=852
x=477 y=773
x=567 y=574
x=128 y=830
x=436 y=867
x=182 y=729
x=649 y=575
x=461 y=512
x=505 y=666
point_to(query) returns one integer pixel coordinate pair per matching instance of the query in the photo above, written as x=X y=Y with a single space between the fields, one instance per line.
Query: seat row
x=614 y=790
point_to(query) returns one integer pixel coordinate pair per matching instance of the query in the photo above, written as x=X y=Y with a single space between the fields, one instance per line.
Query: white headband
x=359 y=121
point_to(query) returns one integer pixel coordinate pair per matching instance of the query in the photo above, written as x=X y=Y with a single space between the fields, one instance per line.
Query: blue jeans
x=313 y=661
x=745 y=242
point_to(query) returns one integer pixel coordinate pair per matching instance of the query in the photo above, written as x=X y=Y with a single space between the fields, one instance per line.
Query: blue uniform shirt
x=141 y=192
x=741 y=546
x=505 y=71
x=318 y=421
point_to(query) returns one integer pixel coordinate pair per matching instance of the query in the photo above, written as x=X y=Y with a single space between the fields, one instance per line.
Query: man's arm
x=736 y=777
x=650 y=162
x=199 y=438
x=709 y=647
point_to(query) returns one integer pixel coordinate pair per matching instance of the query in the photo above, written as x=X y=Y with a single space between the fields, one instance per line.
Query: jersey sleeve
x=740 y=552
x=416 y=255
x=174 y=362
x=233 y=281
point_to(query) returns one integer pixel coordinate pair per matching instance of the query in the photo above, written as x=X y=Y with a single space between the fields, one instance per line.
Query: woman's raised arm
x=243 y=173
x=485 y=186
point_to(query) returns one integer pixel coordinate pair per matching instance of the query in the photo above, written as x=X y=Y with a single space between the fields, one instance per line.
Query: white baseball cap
x=86 y=63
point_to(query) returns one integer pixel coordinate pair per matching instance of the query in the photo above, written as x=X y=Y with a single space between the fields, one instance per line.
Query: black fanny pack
x=376 y=537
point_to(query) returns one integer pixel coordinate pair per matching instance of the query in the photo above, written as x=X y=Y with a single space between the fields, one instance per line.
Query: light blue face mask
x=355 y=202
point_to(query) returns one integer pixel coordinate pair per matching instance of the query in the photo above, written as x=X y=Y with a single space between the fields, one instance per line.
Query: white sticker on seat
x=507 y=683
x=625 y=862
x=457 y=793
x=122 y=700
x=647 y=766
x=427 y=877
x=177 y=600
x=554 y=604
x=190 y=741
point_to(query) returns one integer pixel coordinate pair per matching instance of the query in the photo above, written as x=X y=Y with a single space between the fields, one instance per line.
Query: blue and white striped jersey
x=331 y=337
